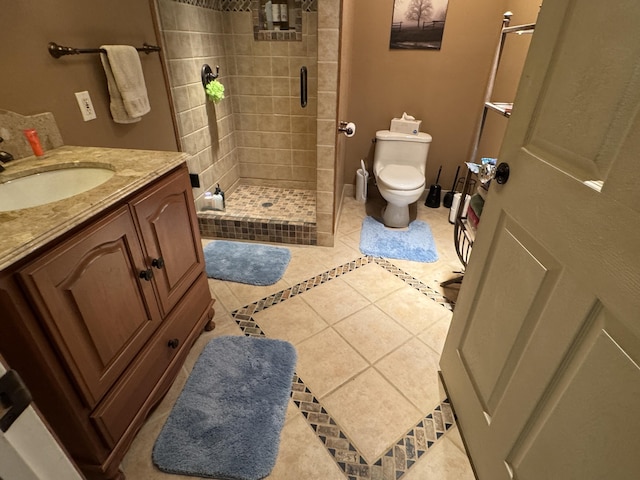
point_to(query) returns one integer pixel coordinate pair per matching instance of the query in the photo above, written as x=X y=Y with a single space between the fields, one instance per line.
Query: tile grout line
x=405 y=452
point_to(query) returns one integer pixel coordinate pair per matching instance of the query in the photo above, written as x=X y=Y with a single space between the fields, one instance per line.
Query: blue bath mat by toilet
x=416 y=243
x=250 y=263
x=227 y=421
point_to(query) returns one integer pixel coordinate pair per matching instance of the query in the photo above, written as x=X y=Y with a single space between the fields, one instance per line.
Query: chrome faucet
x=4 y=157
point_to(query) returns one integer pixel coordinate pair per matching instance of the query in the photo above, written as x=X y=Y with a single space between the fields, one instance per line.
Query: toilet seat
x=401 y=177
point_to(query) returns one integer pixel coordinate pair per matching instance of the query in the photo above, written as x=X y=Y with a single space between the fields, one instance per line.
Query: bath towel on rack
x=125 y=80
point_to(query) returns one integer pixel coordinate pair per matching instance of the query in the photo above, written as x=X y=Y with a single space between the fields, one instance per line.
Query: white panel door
x=542 y=359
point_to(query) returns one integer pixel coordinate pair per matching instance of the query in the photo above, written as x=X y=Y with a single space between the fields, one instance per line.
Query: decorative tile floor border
x=415 y=283
x=406 y=451
x=392 y=464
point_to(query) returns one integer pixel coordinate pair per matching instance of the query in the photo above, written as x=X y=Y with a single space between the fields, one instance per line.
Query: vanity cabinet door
x=169 y=226
x=93 y=302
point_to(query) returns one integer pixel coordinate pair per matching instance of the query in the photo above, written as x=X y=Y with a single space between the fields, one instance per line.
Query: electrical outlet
x=86 y=107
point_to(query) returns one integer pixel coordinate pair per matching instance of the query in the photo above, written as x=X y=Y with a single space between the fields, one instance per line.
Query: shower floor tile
x=272 y=203
x=266 y=214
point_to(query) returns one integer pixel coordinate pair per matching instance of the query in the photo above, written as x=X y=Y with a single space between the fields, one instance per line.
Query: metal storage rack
x=464 y=235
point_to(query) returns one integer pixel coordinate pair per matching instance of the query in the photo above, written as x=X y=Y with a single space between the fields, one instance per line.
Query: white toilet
x=399 y=165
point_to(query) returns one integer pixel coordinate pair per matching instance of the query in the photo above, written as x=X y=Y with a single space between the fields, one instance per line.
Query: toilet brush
x=433 y=198
x=448 y=197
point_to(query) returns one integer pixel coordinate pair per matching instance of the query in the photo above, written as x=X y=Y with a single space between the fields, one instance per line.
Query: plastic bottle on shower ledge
x=207 y=204
x=268 y=12
x=275 y=9
x=284 y=15
x=218 y=199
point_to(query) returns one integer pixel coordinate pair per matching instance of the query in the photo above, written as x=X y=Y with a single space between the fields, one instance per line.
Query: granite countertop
x=24 y=231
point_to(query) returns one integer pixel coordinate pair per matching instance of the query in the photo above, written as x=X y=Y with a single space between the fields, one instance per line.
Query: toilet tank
x=401 y=149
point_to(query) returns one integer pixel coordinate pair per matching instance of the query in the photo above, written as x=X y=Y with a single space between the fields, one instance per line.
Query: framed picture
x=418 y=24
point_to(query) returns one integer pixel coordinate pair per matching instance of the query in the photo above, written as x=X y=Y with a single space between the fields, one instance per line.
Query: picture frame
x=418 y=24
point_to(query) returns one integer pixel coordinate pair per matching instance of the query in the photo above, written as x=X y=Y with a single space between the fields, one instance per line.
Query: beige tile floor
x=368 y=348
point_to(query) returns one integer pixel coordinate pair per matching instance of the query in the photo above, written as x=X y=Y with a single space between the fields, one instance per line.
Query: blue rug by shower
x=415 y=244
x=227 y=421
x=250 y=263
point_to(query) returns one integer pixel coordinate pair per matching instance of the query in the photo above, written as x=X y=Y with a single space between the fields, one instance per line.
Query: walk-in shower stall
x=260 y=142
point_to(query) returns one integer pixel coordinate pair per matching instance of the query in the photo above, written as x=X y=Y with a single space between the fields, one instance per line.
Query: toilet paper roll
x=456 y=204
x=350 y=129
x=454 y=207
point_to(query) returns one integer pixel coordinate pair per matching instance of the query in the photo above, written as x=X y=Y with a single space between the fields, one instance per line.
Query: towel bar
x=58 y=51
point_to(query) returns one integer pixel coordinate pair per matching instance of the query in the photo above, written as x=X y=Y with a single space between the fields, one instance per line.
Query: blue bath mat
x=415 y=244
x=227 y=421
x=250 y=263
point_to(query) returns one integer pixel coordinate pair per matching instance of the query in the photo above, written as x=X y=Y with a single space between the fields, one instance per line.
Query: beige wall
x=444 y=89
x=33 y=82
x=507 y=79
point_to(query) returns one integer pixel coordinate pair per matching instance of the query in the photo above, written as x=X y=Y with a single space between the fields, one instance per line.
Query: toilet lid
x=401 y=177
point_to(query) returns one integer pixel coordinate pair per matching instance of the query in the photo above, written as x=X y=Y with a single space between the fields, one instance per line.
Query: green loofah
x=215 y=91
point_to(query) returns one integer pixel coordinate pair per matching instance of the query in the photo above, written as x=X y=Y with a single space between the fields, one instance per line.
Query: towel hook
x=208 y=75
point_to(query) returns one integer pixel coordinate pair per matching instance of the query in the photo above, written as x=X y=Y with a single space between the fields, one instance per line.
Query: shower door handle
x=303 y=87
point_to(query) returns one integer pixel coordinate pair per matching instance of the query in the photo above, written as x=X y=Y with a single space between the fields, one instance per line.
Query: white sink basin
x=46 y=187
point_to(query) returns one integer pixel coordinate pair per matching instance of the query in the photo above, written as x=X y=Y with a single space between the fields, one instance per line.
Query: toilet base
x=395 y=216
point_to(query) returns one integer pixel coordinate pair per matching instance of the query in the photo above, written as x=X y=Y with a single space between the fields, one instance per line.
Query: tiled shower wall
x=259 y=133
x=246 y=137
x=276 y=137
x=194 y=35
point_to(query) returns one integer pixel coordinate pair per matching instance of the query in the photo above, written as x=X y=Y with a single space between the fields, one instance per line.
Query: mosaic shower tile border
x=256 y=229
x=408 y=449
x=240 y=5
x=220 y=5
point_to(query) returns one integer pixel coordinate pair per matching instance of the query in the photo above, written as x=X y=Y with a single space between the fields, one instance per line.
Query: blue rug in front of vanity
x=250 y=263
x=415 y=243
x=227 y=421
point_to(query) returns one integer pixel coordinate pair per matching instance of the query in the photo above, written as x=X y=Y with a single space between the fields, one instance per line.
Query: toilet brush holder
x=433 y=197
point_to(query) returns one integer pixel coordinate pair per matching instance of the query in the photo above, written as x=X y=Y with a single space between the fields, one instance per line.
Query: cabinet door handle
x=158 y=263
x=146 y=275
x=173 y=343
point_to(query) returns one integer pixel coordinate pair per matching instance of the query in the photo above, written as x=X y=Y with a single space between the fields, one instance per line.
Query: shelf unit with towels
x=463 y=233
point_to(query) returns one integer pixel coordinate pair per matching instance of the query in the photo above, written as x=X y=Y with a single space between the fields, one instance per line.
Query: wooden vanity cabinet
x=118 y=305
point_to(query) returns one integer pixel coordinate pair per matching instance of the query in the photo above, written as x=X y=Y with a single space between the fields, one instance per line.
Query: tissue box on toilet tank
x=405 y=124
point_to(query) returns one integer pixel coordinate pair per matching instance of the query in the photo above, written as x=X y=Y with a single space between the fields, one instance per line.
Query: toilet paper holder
x=347 y=128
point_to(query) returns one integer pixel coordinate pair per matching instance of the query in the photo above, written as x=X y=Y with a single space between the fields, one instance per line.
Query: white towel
x=129 y=100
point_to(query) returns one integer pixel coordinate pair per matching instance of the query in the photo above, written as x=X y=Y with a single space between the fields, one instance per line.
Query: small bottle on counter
x=34 y=141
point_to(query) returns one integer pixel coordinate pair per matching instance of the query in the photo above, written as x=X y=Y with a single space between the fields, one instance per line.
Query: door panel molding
x=529 y=274
x=596 y=379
